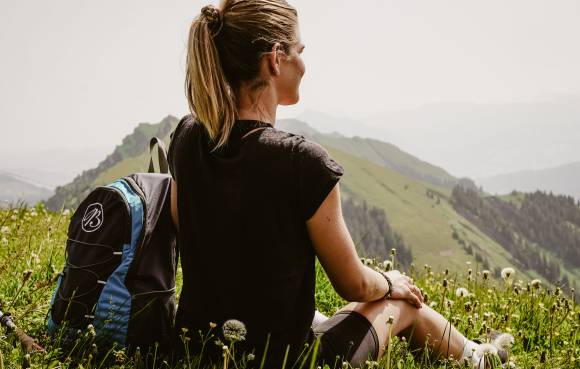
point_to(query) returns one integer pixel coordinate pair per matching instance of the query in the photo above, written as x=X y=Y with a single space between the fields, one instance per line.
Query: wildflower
x=390 y=320
x=461 y=292
x=212 y=325
x=388 y=265
x=91 y=330
x=504 y=341
x=251 y=357
x=13 y=217
x=393 y=252
x=5 y=230
x=234 y=330
x=486 y=349
x=536 y=283
x=506 y=273
x=4 y=241
x=66 y=212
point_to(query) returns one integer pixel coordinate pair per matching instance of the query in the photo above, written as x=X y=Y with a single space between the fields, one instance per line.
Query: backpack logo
x=93 y=218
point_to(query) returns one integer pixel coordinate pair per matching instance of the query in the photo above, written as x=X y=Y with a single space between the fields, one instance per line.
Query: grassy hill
x=415 y=196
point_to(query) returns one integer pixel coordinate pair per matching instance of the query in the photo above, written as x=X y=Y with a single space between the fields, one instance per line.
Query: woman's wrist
x=389 y=283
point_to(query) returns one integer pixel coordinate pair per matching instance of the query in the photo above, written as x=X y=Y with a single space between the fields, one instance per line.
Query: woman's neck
x=262 y=108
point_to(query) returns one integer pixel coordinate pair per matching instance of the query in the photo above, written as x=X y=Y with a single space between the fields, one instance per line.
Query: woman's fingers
x=417 y=292
x=413 y=299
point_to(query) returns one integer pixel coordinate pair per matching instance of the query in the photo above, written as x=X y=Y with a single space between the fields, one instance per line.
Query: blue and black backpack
x=121 y=262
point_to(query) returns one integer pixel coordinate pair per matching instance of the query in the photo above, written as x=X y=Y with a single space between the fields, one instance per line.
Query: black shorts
x=348 y=335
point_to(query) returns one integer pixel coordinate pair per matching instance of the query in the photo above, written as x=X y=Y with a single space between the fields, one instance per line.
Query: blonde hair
x=225 y=48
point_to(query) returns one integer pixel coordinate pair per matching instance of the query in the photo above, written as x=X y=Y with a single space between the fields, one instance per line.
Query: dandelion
x=486 y=349
x=91 y=330
x=507 y=273
x=461 y=292
x=390 y=320
x=388 y=265
x=504 y=341
x=536 y=283
x=66 y=212
x=234 y=330
x=5 y=230
x=4 y=241
x=251 y=357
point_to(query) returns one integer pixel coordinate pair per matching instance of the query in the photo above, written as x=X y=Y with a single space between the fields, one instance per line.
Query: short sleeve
x=317 y=173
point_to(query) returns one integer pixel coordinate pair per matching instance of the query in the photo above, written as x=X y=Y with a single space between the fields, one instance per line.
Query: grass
x=544 y=322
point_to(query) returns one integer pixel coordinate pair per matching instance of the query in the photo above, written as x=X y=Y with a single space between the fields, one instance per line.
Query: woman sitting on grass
x=255 y=205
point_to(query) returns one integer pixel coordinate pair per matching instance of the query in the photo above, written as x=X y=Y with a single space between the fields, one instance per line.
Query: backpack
x=121 y=262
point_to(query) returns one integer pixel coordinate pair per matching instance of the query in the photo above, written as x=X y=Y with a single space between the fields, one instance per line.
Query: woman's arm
x=351 y=279
x=174 y=216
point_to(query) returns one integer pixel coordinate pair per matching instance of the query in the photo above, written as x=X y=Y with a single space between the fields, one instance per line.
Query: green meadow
x=543 y=320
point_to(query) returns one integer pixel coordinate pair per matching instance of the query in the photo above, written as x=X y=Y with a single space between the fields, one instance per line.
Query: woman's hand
x=404 y=289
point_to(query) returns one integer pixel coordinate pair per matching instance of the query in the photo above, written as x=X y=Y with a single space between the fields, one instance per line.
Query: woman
x=254 y=205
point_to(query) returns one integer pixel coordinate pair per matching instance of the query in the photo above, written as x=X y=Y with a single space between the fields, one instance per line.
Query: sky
x=78 y=74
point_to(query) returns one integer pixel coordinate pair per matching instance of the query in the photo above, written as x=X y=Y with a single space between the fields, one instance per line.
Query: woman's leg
x=414 y=323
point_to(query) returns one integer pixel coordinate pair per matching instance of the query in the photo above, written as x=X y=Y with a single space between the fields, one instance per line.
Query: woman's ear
x=273 y=60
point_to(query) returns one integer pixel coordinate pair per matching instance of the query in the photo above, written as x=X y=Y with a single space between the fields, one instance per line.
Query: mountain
x=391 y=199
x=486 y=139
x=121 y=161
x=563 y=179
x=14 y=189
x=379 y=152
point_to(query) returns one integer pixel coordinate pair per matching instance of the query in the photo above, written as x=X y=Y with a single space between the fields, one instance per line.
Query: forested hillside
x=540 y=230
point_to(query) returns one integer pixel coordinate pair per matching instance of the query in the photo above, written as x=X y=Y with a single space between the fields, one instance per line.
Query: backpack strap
x=161 y=156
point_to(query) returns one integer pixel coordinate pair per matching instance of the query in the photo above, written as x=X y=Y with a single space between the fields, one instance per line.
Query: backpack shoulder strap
x=161 y=156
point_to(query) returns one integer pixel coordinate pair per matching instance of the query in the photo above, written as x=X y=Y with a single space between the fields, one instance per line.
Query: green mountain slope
x=121 y=161
x=379 y=152
x=415 y=197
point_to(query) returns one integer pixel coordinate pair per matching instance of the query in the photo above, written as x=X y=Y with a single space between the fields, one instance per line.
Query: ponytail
x=208 y=92
x=225 y=48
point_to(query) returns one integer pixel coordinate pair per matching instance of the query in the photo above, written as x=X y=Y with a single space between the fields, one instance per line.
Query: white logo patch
x=93 y=218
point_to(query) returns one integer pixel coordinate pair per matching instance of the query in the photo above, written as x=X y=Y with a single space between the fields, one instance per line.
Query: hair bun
x=213 y=17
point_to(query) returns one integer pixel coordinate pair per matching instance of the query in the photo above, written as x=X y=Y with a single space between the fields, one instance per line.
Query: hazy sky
x=81 y=73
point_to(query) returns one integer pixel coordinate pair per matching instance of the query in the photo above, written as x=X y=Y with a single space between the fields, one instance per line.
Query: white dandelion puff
x=234 y=330
x=461 y=292
x=504 y=341
x=536 y=283
x=486 y=349
x=4 y=241
x=507 y=272
x=5 y=230
x=485 y=274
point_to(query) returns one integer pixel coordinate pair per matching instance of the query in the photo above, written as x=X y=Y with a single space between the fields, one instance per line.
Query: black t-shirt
x=245 y=250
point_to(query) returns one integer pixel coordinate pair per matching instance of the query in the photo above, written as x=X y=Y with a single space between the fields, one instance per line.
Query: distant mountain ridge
x=564 y=179
x=379 y=152
x=13 y=190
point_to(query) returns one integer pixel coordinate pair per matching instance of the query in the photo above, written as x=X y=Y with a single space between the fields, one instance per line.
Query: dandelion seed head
x=5 y=230
x=504 y=341
x=507 y=273
x=536 y=283
x=234 y=330
x=251 y=357
x=486 y=349
x=461 y=292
